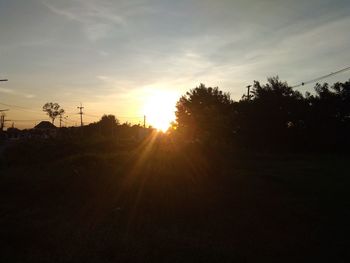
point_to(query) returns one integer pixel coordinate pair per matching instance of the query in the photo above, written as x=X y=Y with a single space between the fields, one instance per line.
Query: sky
x=120 y=57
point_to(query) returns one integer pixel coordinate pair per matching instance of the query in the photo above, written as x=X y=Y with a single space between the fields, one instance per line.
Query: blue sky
x=113 y=56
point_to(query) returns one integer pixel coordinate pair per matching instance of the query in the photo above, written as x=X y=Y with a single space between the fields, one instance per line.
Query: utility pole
x=248 y=91
x=81 y=114
x=2 y=119
x=144 y=121
x=61 y=119
x=2 y=122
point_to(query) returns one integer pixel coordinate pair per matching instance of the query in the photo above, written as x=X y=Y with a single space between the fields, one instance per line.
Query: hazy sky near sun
x=114 y=55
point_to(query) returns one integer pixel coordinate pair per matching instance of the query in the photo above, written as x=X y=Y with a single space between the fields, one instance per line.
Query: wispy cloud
x=96 y=19
x=30 y=96
x=16 y=93
x=7 y=91
x=86 y=12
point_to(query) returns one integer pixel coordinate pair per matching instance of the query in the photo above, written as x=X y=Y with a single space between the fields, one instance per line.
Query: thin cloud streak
x=97 y=21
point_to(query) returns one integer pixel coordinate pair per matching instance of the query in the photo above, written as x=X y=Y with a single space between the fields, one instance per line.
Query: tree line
x=274 y=117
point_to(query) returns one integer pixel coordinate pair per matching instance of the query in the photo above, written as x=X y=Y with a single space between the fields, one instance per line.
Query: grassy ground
x=158 y=203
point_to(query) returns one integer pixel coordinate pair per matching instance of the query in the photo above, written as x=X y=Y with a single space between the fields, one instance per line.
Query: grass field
x=158 y=203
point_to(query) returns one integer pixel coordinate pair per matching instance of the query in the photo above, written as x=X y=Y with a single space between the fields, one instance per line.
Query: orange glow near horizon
x=159 y=109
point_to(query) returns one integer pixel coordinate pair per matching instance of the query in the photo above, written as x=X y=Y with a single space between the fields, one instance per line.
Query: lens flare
x=160 y=109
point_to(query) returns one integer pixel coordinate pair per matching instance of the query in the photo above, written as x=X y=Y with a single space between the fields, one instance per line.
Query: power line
x=71 y=121
x=11 y=105
x=130 y=117
x=322 y=77
x=78 y=113
x=26 y=120
x=90 y=115
x=117 y=116
x=25 y=109
x=20 y=108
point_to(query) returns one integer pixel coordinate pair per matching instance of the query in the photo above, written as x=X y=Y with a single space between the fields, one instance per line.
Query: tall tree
x=205 y=114
x=108 y=124
x=53 y=110
x=328 y=116
x=272 y=116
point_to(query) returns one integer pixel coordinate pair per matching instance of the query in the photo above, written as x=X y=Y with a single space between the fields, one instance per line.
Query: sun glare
x=159 y=109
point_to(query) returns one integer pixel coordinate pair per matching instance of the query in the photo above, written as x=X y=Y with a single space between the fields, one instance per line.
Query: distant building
x=45 y=125
x=46 y=129
x=14 y=133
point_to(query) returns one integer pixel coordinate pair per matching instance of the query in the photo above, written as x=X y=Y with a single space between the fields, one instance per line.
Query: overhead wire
x=321 y=77
x=25 y=109
x=25 y=120
x=20 y=108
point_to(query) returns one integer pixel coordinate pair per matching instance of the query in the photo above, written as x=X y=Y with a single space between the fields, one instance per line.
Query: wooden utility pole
x=2 y=117
x=81 y=114
x=248 y=91
x=2 y=120
x=60 y=120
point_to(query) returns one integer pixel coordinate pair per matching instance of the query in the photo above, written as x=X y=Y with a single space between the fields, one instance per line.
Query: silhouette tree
x=53 y=110
x=272 y=118
x=275 y=117
x=108 y=124
x=205 y=114
x=328 y=117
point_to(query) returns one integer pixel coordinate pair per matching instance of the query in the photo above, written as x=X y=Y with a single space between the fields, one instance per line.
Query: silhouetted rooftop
x=45 y=125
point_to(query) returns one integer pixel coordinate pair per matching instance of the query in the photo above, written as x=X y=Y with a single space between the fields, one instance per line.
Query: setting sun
x=159 y=109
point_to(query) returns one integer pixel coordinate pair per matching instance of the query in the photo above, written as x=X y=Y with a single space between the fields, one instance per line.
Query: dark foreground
x=157 y=203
